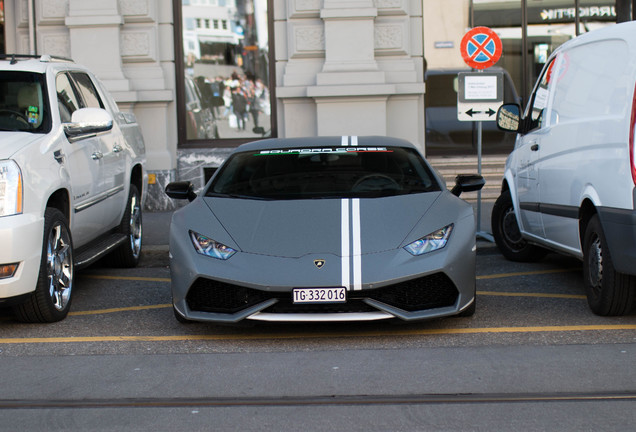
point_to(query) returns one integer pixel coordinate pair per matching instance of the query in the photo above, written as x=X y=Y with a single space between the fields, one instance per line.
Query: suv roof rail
x=43 y=58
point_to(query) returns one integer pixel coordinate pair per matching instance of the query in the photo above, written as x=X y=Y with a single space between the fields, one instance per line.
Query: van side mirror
x=509 y=117
x=181 y=190
x=467 y=183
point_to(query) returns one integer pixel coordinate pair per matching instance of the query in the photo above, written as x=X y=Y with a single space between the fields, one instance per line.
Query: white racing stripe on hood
x=351 y=242
x=345 y=252
x=357 y=245
x=351 y=235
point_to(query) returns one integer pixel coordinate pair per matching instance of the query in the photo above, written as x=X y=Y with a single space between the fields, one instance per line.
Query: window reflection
x=226 y=64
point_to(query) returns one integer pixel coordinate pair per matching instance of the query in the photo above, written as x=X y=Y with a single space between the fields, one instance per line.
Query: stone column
x=349 y=43
x=350 y=67
x=94 y=27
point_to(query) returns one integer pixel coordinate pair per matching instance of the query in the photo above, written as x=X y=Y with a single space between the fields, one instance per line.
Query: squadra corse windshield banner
x=324 y=150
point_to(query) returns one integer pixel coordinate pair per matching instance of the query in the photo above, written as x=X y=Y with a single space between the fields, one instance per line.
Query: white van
x=569 y=184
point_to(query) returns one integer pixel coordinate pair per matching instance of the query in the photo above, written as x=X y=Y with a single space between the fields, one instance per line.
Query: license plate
x=320 y=295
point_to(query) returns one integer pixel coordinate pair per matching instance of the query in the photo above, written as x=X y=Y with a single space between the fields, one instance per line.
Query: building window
x=226 y=96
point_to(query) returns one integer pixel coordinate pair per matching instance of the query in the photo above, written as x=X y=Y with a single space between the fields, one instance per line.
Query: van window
x=539 y=99
x=592 y=81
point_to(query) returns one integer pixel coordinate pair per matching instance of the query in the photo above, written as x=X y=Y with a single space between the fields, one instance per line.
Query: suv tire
x=51 y=299
x=505 y=230
x=128 y=254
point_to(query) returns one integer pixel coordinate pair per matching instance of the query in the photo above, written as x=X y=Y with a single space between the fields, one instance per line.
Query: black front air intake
x=428 y=292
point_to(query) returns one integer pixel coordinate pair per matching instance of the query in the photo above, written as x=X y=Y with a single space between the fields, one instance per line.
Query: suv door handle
x=118 y=148
x=97 y=155
x=534 y=147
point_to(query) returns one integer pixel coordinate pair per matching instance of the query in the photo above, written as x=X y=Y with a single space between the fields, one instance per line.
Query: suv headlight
x=10 y=188
x=432 y=242
x=208 y=247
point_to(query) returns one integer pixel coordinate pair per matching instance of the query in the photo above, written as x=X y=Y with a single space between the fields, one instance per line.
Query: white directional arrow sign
x=479 y=96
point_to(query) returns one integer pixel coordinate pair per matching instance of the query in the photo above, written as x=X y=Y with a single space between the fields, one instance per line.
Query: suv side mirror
x=181 y=190
x=88 y=121
x=509 y=117
x=467 y=183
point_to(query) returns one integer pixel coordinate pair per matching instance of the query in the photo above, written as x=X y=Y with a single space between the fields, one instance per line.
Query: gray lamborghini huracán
x=323 y=229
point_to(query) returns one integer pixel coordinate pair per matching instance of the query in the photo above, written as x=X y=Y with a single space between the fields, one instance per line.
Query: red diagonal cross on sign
x=471 y=49
x=481 y=48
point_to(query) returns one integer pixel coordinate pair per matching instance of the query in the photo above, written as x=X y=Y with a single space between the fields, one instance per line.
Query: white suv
x=72 y=182
x=569 y=184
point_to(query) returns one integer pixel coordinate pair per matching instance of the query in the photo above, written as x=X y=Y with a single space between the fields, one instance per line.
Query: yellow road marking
x=527 y=273
x=479 y=277
x=538 y=295
x=229 y=337
x=122 y=309
x=128 y=278
x=167 y=305
x=487 y=293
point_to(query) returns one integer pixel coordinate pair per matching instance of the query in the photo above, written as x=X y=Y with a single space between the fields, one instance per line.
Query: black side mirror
x=181 y=190
x=509 y=117
x=467 y=183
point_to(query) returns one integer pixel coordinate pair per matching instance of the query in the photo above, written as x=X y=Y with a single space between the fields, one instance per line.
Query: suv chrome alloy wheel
x=595 y=264
x=135 y=225
x=59 y=266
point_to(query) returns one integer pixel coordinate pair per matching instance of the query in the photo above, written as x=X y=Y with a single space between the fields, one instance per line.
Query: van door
x=584 y=148
x=529 y=154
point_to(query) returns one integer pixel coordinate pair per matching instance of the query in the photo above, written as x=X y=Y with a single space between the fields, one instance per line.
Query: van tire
x=505 y=230
x=609 y=293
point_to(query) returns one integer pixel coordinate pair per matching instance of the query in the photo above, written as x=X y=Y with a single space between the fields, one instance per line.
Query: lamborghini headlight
x=208 y=247
x=10 y=188
x=432 y=242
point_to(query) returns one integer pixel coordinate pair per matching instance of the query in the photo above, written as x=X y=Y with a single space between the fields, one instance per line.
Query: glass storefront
x=530 y=30
x=225 y=47
x=548 y=24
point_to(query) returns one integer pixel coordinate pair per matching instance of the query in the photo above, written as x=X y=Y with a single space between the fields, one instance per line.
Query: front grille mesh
x=428 y=292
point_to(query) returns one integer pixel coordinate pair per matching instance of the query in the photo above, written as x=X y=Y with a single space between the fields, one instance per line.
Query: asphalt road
x=533 y=357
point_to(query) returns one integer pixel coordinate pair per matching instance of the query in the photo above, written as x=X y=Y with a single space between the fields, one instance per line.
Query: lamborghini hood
x=293 y=228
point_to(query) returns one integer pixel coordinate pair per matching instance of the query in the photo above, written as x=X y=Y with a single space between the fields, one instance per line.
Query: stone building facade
x=342 y=67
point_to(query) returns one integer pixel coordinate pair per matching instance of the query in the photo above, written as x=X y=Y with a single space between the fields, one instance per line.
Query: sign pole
x=480 y=233
x=480 y=48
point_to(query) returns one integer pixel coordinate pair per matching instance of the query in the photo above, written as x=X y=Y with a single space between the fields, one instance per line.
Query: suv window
x=23 y=102
x=67 y=99
x=87 y=89
x=74 y=92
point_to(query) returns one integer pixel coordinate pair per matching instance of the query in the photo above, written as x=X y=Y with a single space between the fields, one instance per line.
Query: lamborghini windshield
x=324 y=172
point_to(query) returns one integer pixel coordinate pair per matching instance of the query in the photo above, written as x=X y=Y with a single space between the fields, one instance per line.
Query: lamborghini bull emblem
x=319 y=263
